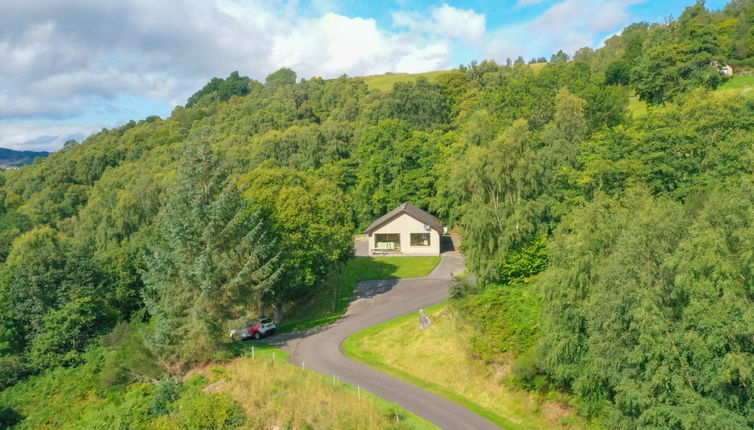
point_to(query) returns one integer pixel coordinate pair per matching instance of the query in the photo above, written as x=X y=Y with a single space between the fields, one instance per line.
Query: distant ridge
x=10 y=158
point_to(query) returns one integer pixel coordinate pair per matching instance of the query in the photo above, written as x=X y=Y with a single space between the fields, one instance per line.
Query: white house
x=406 y=230
x=723 y=68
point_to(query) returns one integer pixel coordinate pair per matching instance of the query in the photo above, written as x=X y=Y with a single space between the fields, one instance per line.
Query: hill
x=611 y=239
x=385 y=82
x=10 y=158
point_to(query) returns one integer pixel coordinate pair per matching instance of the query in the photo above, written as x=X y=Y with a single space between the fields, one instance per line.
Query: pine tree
x=211 y=262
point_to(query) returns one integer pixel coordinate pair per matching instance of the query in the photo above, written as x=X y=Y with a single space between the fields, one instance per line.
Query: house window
x=389 y=241
x=419 y=239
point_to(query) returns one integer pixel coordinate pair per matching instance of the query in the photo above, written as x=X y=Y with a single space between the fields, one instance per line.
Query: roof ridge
x=413 y=211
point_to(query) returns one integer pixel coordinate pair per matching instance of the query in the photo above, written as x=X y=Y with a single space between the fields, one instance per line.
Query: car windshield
x=265 y=321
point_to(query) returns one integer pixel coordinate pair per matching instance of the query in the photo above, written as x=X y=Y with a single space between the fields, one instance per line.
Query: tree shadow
x=9 y=417
x=370 y=289
x=447 y=244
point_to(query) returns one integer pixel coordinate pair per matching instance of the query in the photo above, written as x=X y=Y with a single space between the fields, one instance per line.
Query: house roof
x=410 y=210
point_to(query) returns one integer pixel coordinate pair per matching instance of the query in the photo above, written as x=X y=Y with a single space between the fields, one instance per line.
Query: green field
x=331 y=302
x=385 y=82
x=437 y=360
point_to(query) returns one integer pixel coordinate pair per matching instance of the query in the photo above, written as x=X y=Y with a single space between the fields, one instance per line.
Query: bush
x=129 y=360
x=208 y=412
x=66 y=332
x=12 y=370
x=505 y=319
x=168 y=392
x=526 y=372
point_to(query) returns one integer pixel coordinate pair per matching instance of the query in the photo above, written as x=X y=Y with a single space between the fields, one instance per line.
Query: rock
x=424 y=321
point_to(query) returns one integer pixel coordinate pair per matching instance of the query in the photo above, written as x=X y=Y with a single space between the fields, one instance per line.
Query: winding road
x=376 y=302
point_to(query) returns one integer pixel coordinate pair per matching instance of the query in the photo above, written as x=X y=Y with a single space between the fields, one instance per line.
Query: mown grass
x=331 y=302
x=437 y=360
x=738 y=82
x=385 y=82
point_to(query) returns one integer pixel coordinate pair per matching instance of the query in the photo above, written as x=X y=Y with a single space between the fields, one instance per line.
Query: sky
x=72 y=67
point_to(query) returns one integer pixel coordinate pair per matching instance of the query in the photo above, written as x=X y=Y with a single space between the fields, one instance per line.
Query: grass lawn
x=437 y=360
x=738 y=82
x=331 y=302
x=385 y=82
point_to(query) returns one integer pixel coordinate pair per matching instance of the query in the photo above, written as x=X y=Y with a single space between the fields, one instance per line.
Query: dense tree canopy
x=604 y=201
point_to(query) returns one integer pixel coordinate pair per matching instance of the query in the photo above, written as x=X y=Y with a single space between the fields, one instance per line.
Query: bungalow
x=723 y=68
x=405 y=230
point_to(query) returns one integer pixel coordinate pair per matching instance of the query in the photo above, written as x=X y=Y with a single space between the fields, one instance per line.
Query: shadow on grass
x=9 y=417
x=330 y=302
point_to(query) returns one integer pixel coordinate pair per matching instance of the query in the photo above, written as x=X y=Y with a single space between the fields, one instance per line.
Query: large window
x=419 y=239
x=388 y=241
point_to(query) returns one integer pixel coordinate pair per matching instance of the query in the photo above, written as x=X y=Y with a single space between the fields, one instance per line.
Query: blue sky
x=72 y=67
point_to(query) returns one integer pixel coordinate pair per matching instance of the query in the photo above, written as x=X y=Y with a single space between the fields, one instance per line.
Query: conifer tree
x=210 y=263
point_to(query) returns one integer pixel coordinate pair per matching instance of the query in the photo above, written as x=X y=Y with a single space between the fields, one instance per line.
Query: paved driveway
x=376 y=302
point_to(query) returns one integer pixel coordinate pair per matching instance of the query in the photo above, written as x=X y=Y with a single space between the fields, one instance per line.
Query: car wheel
x=257 y=336
x=271 y=332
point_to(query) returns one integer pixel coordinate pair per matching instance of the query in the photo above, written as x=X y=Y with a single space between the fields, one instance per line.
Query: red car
x=254 y=330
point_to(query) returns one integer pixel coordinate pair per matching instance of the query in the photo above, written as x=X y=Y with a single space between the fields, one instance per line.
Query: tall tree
x=211 y=262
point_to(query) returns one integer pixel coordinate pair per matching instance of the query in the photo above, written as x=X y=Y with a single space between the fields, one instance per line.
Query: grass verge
x=437 y=360
x=276 y=394
x=331 y=302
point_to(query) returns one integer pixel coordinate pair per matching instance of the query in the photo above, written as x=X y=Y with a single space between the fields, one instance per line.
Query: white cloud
x=567 y=25
x=446 y=22
x=26 y=135
x=465 y=25
x=63 y=59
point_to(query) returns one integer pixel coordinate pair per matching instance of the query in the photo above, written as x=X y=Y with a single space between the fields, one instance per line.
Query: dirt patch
x=206 y=368
x=555 y=412
x=216 y=387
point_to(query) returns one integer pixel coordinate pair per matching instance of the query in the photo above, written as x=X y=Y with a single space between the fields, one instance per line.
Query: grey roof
x=412 y=211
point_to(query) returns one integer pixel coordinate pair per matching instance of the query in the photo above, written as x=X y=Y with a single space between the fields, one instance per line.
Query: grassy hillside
x=259 y=391
x=385 y=82
x=437 y=359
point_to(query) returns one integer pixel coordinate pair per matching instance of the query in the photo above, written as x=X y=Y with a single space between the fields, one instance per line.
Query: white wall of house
x=404 y=225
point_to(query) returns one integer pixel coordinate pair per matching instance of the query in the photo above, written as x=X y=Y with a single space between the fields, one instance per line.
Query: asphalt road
x=375 y=302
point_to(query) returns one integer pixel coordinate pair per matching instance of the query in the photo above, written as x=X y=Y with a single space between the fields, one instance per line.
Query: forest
x=604 y=202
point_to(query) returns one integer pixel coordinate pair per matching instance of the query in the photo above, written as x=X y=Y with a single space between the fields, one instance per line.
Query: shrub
x=129 y=360
x=12 y=370
x=168 y=392
x=217 y=411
